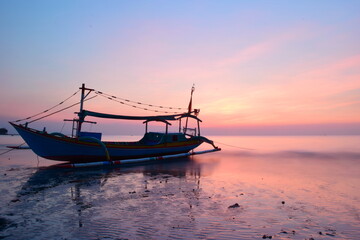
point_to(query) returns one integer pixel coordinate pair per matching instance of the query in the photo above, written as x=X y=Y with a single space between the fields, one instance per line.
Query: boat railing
x=190 y=131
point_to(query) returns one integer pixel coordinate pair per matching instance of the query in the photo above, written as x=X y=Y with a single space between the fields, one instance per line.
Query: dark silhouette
x=3 y=131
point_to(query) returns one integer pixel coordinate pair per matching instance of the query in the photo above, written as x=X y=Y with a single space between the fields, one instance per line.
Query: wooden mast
x=80 y=114
x=81 y=117
x=189 y=108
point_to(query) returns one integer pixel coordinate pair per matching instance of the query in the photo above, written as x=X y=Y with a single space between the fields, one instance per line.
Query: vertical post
x=82 y=96
x=72 y=129
x=189 y=108
x=198 y=123
x=81 y=117
x=179 y=125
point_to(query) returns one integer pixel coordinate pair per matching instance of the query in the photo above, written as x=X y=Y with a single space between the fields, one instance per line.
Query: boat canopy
x=85 y=113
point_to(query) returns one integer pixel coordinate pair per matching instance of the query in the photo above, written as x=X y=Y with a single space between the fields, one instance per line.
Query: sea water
x=255 y=188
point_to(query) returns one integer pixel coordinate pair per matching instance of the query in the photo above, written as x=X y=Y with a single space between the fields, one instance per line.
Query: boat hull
x=76 y=151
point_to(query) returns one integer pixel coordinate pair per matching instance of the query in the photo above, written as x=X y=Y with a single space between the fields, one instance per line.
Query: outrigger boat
x=87 y=147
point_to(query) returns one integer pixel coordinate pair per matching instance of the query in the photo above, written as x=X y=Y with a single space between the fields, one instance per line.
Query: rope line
x=235 y=146
x=62 y=128
x=19 y=120
x=128 y=103
x=12 y=149
x=61 y=110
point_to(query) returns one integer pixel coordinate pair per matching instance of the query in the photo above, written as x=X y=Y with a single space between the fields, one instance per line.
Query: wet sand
x=271 y=188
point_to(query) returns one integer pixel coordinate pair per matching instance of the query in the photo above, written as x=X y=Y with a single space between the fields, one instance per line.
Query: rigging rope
x=61 y=110
x=127 y=102
x=131 y=103
x=19 y=120
x=62 y=128
x=12 y=149
x=234 y=146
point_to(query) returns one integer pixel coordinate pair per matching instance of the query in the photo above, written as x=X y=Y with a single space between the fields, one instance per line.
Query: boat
x=88 y=147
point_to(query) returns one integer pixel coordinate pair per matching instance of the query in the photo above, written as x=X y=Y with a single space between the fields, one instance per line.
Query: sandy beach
x=257 y=188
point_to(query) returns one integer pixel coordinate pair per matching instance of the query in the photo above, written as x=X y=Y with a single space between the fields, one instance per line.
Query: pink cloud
x=260 y=49
x=324 y=94
x=334 y=69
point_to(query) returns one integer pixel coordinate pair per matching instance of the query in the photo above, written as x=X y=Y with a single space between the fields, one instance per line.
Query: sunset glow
x=254 y=63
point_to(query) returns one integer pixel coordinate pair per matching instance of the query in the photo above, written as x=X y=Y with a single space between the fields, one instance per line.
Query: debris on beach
x=330 y=232
x=266 y=236
x=288 y=232
x=236 y=205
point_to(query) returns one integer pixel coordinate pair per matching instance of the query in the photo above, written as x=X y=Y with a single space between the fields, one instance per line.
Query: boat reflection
x=92 y=189
x=51 y=177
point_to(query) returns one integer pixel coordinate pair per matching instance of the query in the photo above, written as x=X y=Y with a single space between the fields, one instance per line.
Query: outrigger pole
x=136 y=160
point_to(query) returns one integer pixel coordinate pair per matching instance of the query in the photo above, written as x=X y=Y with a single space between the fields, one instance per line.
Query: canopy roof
x=85 y=113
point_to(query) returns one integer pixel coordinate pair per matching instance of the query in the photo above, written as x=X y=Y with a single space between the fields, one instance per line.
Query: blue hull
x=73 y=150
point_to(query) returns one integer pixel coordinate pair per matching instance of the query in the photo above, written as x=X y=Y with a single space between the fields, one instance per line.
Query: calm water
x=285 y=187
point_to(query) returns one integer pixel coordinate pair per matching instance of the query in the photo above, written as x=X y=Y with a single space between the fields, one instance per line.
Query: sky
x=259 y=67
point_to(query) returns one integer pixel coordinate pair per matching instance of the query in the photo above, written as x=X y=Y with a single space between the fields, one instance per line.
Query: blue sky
x=254 y=63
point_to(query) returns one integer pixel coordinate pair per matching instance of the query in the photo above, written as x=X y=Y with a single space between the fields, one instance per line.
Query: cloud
x=263 y=48
x=323 y=94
